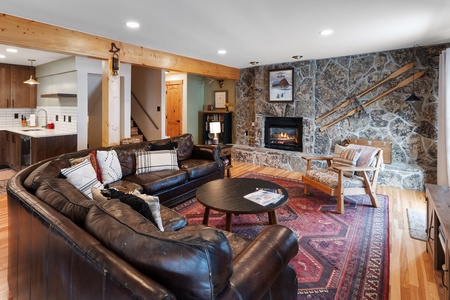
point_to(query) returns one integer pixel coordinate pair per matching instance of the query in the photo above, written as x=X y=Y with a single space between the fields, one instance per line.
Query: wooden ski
x=367 y=103
x=352 y=99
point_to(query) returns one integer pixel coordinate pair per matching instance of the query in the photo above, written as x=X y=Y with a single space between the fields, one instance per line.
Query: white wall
x=149 y=87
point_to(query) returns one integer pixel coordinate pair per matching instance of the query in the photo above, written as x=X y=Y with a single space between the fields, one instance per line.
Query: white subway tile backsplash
x=7 y=117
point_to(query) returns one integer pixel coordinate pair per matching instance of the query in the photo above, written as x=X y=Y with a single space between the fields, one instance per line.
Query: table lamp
x=214 y=128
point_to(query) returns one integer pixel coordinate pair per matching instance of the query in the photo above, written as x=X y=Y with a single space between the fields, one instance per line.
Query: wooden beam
x=30 y=34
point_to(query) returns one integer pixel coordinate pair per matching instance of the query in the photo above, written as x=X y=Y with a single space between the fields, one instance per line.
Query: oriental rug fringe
x=341 y=256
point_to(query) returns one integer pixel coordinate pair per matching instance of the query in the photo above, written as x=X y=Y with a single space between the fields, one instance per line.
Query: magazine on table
x=264 y=197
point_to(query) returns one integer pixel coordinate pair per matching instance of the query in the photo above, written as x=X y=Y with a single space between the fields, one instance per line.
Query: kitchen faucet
x=45 y=126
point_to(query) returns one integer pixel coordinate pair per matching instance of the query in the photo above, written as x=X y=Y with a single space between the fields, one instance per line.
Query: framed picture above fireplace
x=281 y=85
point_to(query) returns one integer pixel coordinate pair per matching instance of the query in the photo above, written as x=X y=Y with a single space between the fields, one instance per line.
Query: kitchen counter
x=38 y=132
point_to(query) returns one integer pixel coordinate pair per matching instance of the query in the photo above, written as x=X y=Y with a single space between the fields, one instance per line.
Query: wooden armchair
x=353 y=175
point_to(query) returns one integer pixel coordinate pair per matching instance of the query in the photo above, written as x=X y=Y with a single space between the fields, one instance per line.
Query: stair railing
x=145 y=112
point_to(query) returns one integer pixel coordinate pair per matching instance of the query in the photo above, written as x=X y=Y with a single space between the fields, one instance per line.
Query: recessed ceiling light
x=133 y=24
x=297 y=56
x=326 y=32
x=222 y=51
x=11 y=50
x=254 y=63
x=2 y=56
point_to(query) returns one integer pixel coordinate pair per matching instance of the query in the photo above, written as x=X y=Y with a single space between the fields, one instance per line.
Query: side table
x=225 y=155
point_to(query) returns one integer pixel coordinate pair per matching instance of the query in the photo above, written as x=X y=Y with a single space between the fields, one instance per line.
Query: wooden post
x=110 y=106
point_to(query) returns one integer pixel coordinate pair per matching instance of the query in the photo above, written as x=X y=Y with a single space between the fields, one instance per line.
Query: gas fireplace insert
x=283 y=133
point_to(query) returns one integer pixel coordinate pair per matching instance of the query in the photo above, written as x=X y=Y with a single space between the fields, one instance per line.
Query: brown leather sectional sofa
x=62 y=245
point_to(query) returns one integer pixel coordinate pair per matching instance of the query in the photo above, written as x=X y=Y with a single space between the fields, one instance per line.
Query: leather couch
x=63 y=245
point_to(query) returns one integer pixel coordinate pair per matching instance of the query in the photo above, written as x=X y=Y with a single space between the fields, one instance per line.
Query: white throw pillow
x=83 y=177
x=149 y=161
x=153 y=204
x=109 y=165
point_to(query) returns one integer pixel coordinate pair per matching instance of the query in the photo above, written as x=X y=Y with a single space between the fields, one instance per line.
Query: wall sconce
x=31 y=81
x=115 y=59
x=214 y=128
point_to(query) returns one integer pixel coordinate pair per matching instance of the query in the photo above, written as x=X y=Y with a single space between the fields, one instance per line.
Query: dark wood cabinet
x=3 y=148
x=438 y=232
x=225 y=119
x=13 y=150
x=19 y=151
x=43 y=148
x=13 y=92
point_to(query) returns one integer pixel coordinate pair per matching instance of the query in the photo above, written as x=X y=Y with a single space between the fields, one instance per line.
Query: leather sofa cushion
x=153 y=182
x=126 y=156
x=192 y=264
x=172 y=220
x=65 y=198
x=45 y=171
x=197 y=168
x=185 y=145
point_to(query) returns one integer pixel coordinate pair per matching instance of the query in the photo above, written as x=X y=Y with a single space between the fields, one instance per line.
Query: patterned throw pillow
x=83 y=177
x=109 y=165
x=345 y=157
x=150 y=161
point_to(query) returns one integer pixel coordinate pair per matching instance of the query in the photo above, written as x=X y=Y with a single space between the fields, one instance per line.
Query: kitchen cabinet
x=2 y=148
x=13 y=150
x=43 y=148
x=13 y=92
x=21 y=150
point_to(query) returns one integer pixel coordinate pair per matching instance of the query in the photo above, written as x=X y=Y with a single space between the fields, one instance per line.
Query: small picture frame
x=281 y=85
x=220 y=98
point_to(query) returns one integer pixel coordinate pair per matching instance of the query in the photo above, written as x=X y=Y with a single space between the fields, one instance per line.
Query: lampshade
x=214 y=127
x=31 y=81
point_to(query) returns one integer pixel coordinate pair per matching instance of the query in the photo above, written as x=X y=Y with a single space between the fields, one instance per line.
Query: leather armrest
x=261 y=262
x=208 y=152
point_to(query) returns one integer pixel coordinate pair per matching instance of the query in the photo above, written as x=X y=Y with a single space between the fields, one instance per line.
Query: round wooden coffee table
x=227 y=195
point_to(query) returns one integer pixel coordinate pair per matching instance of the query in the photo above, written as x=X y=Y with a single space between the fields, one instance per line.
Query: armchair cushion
x=330 y=179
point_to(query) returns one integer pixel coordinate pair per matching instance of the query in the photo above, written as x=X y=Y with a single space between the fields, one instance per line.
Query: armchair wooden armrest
x=356 y=169
x=310 y=158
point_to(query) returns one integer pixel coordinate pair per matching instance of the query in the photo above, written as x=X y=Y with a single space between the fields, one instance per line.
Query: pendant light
x=31 y=81
x=413 y=96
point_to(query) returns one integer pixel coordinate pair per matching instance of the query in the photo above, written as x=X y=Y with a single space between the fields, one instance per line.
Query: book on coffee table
x=263 y=197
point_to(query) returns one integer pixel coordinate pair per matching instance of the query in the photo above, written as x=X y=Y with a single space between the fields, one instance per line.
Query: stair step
x=134 y=131
x=138 y=138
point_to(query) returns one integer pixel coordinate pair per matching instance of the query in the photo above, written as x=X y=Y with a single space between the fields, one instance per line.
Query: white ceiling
x=249 y=30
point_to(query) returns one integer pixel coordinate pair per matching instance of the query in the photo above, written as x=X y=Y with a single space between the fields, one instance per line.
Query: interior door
x=174 y=96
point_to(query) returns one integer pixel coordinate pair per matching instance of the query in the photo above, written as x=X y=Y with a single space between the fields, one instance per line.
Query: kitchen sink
x=33 y=129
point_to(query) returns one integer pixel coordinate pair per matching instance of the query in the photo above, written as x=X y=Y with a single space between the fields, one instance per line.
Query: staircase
x=135 y=133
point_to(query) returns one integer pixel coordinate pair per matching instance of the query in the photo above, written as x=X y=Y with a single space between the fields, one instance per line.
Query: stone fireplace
x=283 y=133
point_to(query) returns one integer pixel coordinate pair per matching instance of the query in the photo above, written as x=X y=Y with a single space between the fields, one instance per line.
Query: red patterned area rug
x=341 y=256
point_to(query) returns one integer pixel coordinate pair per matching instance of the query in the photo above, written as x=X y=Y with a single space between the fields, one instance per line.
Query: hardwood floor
x=411 y=272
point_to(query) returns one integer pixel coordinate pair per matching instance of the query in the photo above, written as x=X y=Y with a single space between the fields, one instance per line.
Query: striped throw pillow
x=150 y=161
x=345 y=157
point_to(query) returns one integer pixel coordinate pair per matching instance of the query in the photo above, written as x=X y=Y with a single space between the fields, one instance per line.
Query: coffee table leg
x=206 y=216
x=228 y=224
x=273 y=219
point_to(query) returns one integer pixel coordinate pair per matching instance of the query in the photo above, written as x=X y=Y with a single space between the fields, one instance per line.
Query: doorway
x=174 y=100
x=94 y=110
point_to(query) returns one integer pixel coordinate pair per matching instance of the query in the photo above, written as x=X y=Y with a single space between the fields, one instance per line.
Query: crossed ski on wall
x=367 y=103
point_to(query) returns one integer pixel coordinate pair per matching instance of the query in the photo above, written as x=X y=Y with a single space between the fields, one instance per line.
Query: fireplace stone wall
x=319 y=85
